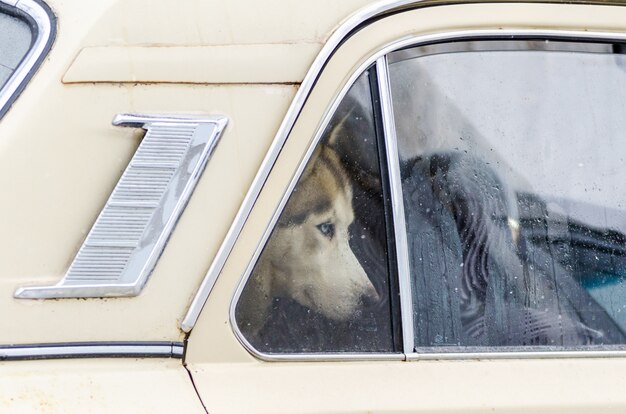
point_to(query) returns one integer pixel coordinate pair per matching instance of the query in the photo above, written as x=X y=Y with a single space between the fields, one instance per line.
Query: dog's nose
x=370 y=298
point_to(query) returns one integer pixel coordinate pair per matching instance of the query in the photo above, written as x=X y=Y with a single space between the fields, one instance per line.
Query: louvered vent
x=130 y=233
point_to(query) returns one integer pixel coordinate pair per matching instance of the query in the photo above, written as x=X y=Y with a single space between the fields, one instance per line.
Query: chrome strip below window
x=430 y=356
x=93 y=350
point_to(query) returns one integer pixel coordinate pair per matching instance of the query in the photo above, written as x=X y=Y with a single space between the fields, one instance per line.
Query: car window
x=15 y=41
x=510 y=167
x=512 y=157
x=321 y=283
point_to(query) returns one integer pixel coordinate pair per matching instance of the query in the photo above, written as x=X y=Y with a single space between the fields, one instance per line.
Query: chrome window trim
x=431 y=356
x=399 y=224
x=352 y=24
x=43 y=18
x=159 y=349
x=327 y=357
x=412 y=41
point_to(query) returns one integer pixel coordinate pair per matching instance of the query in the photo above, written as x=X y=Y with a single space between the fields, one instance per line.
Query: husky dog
x=308 y=257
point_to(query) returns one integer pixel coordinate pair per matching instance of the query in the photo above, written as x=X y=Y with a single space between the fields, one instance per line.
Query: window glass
x=321 y=283
x=512 y=156
x=15 y=40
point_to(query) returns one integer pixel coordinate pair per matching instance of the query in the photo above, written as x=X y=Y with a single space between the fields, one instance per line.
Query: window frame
x=42 y=23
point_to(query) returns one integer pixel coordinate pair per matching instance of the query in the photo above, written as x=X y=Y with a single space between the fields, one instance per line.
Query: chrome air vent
x=130 y=233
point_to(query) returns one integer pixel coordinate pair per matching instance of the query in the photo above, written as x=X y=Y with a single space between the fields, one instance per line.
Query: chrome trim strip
x=128 y=237
x=323 y=357
x=43 y=40
x=402 y=43
x=92 y=350
x=514 y=355
x=397 y=201
x=178 y=350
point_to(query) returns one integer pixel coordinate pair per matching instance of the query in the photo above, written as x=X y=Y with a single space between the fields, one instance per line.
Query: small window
x=27 y=31
x=322 y=282
x=513 y=163
x=15 y=41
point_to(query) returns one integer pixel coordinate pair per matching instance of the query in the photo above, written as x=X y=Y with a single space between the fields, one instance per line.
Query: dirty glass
x=512 y=157
x=321 y=282
x=15 y=40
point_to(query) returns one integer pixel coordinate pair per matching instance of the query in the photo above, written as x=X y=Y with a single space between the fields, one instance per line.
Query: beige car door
x=290 y=317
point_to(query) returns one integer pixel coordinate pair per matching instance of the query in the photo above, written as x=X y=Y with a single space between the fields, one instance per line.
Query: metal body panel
x=274 y=63
x=60 y=171
x=97 y=386
x=60 y=158
x=541 y=386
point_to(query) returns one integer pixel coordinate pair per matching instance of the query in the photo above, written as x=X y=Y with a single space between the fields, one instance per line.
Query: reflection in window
x=512 y=156
x=15 y=40
x=321 y=283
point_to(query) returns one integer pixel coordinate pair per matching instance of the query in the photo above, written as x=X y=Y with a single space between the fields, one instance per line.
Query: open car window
x=512 y=155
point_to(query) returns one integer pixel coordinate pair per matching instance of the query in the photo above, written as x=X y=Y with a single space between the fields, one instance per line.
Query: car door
x=437 y=227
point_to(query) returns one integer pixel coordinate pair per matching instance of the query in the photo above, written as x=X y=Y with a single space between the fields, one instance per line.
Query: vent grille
x=130 y=233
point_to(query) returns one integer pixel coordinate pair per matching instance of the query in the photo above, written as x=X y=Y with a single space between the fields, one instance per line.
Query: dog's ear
x=331 y=139
x=338 y=129
x=311 y=164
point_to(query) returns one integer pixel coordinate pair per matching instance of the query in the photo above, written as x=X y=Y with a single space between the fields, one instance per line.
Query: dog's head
x=308 y=257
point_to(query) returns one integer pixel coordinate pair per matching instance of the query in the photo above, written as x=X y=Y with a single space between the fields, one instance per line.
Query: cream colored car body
x=60 y=157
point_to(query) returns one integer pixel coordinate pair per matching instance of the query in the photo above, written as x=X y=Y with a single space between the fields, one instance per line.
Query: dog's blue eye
x=327 y=229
